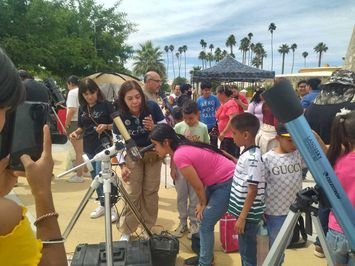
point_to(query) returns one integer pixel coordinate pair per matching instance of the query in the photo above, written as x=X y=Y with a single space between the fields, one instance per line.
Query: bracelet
x=53 y=241
x=45 y=216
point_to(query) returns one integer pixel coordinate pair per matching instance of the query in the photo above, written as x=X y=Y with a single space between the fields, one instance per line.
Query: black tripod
x=107 y=177
x=303 y=203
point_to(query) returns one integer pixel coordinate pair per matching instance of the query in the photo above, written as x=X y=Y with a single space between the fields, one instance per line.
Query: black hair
x=126 y=87
x=225 y=89
x=257 y=95
x=190 y=107
x=246 y=122
x=73 y=80
x=24 y=74
x=206 y=85
x=163 y=132
x=177 y=113
x=185 y=88
x=88 y=84
x=314 y=83
x=300 y=82
x=12 y=91
x=342 y=136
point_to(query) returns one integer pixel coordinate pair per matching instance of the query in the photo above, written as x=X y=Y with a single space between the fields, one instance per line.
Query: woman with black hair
x=212 y=187
x=256 y=104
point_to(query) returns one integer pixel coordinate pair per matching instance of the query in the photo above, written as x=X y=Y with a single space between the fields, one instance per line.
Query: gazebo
x=230 y=69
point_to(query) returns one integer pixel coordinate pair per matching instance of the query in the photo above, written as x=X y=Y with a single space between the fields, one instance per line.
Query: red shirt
x=244 y=100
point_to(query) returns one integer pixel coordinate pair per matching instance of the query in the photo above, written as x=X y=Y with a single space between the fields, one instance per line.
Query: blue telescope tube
x=286 y=106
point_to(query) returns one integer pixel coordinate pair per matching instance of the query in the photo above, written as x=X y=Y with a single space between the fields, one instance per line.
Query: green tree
x=244 y=46
x=171 y=48
x=224 y=53
x=260 y=54
x=272 y=28
x=166 y=49
x=305 y=54
x=230 y=43
x=148 y=58
x=211 y=48
x=210 y=58
x=218 y=54
x=293 y=48
x=203 y=44
x=283 y=50
x=320 y=48
x=202 y=56
x=250 y=35
x=184 y=49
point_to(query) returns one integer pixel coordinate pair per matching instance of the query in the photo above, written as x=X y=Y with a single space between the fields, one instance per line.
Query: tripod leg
x=108 y=225
x=80 y=209
x=280 y=244
x=322 y=240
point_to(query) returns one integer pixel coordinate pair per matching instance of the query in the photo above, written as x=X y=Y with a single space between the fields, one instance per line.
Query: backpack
x=298 y=231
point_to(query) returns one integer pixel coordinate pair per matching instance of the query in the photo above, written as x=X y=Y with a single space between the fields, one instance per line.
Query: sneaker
x=193 y=230
x=125 y=237
x=99 y=211
x=75 y=179
x=318 y=251
x=114 y=215
x=180 y=230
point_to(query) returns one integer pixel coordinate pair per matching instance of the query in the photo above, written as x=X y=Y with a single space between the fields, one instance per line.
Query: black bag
x=164 y=249
x=298 y=231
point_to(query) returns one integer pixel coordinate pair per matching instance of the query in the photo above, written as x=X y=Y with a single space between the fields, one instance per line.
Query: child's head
x=190 y=113
x=244 y=126
x=284 y=139
x=206 y=87
x=342 y=135
x=177 y=114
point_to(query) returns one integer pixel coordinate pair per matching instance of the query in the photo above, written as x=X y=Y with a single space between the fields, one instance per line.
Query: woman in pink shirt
x=341 y=155
x=224 y=114
x=209 y=172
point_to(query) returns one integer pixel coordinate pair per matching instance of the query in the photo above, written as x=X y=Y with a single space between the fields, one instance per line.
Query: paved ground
x=68 y=196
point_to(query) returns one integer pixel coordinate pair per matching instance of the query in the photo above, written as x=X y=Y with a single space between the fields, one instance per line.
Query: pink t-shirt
x=345 y=171
x=211 y=167
x=223 y=113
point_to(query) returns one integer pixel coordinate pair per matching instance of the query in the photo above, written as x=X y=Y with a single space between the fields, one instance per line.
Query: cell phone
x=23 y=133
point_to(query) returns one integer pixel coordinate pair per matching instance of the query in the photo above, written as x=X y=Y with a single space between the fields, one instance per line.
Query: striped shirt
x=250 y=170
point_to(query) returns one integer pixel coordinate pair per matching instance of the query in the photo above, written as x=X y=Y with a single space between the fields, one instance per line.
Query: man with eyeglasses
x=152 y=84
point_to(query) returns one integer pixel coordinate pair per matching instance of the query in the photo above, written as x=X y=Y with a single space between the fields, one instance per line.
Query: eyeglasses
x=302 y=86
x=157 y=80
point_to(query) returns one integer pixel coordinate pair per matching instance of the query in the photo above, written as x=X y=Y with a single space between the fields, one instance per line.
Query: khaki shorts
x=73 y=126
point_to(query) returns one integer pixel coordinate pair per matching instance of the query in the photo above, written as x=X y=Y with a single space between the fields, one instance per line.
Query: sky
x=186 y=22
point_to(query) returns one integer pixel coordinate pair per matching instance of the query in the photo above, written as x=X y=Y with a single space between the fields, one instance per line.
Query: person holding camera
x=95 y=127
x=18 y=243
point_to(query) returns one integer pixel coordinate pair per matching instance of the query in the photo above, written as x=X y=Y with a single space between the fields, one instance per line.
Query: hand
x=125 y=173
x=74 y=135
x=39 y=173
x=199 y=210
x=101 y=128
x=221 y=136
x=7 y=178
x=148 y=123
x=239 y=226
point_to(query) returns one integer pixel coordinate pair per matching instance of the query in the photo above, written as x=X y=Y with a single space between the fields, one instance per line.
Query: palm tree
x=224 y=53
x=250 y=35
x=210 y=58
x=305 y=54
x=272 y=28
x=184 y=49
x=293 y=48
x=203 y=44
x=211 y=48
x=218 y=54
x=251 y=47
x=320 y=48
x=178 y=60
x=202 y=56
x=166 y=49
x=148 y=58
x=244 y=46
x=230 y=43
x=284 y=49
x=171 y=48
x=260 y=54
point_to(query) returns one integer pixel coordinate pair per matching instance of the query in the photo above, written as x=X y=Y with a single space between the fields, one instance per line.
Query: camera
x=23 y=133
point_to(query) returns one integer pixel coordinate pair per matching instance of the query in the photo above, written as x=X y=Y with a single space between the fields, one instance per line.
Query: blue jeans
x=339 y=248
x=247 y=244
x=274 y=224
x=93 y=173
x=217 y=205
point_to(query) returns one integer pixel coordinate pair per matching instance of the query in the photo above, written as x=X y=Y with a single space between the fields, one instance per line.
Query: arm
x=252 y=192
x=221 y=135
x=70 y=114
x=321 y=142
x=39 y=176
x=191 y=176
x=242 y=104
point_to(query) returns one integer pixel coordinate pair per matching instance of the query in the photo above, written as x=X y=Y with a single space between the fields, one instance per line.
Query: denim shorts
x=339 y=248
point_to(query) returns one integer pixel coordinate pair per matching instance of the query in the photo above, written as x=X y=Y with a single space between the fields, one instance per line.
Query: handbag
x=164 y=249
x=228 y=237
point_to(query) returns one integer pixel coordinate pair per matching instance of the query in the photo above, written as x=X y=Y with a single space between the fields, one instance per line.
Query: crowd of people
x=257 y=169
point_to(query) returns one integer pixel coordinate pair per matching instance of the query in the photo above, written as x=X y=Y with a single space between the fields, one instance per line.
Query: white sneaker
x=193 y=230
x=180 y=230
x=114 y=215
x=75 y=179
x=125 y=237
x=99 y=211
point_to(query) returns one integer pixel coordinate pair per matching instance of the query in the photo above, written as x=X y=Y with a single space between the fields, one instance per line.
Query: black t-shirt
x=101 y=114
x=134 y=124
x=36 y=91
x=320 y=117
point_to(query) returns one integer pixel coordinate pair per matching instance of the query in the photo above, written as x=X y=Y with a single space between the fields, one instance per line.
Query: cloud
x=303 y=22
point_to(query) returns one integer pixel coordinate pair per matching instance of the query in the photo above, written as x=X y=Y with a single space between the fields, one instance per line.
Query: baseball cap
x=342 y=76
x=282 y=131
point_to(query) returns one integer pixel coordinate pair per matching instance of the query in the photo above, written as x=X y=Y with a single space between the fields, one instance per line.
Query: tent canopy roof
x=230 y=69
